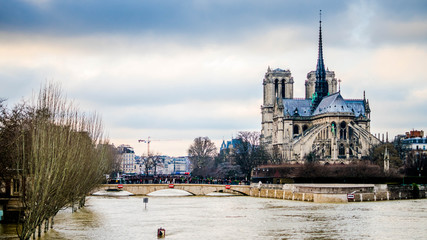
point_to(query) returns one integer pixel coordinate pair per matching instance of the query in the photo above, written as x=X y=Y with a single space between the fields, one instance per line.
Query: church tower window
x=276 y=88
x=283 y=89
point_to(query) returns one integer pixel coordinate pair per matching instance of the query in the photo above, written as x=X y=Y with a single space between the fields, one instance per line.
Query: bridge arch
x=168 y=192
x=240 y=192
x=194 y=189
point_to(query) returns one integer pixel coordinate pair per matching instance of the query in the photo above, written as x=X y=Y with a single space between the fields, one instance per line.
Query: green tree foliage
x=377 y=155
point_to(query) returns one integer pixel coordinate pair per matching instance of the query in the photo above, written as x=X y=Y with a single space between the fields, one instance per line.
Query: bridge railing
x=167 y=180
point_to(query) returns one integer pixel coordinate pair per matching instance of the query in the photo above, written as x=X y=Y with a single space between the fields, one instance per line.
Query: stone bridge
x=195 y=189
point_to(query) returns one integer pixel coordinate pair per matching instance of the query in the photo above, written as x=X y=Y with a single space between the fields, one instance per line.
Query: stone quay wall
x=336 y=193
x=321 y=193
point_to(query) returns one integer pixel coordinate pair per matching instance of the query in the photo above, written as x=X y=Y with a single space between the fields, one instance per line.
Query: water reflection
x=7 y=231
x=240 y=218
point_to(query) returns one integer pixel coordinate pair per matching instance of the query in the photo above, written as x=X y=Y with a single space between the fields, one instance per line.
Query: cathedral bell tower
x=278 y=85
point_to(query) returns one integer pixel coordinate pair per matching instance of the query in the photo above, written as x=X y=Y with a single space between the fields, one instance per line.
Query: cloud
x=182 y=69
x=220 y=115
x=420 y=94
x=194 y=18
x=407 y=32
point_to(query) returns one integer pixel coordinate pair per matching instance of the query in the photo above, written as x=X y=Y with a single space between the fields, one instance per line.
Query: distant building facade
x=323 y=123
x=414 y=134
x=413 y=148
x=414 y=141
x=167 y=165
x=180 y=165
x=229 y=146
x=127 y=159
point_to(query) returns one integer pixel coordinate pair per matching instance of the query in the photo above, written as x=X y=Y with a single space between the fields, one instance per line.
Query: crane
x=148 y=141
x=148 y=144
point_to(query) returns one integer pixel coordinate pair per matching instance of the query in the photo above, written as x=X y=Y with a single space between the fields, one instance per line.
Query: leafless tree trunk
x=249 y=153
x=61 y=157
x=201 y=153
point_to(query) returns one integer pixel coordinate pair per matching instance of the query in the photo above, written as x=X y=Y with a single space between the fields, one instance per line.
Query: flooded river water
x=237 y=218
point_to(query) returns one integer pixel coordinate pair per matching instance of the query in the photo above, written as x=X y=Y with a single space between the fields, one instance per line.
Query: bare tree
x=249 y=153
x=112 y=156
x=59 y=154
x=201 y=154
x=151 y=162
x=156 y=161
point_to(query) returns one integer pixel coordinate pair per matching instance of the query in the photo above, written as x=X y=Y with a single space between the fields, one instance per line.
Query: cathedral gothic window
x=334 y=129
x=343 y=131
x=341 y=150
x=304 y=128
x=296 y=129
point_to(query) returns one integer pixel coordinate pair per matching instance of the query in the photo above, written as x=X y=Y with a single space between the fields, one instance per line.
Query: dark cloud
x=189 y=17
x=219 y=20
x=404 y=10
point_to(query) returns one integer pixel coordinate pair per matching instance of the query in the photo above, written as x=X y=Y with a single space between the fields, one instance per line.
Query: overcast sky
x=176 y=70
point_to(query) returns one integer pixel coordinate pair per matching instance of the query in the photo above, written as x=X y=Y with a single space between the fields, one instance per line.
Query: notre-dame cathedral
x=323 y=123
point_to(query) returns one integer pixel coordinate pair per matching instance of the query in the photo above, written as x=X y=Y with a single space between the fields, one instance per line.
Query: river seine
x=237 y=218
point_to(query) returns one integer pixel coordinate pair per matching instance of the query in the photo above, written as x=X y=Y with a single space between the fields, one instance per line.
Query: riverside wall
x=336 y=193
x=321 y=193
x=195 y=189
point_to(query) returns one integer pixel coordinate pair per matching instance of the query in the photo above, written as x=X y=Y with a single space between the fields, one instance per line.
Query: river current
x=237 y=218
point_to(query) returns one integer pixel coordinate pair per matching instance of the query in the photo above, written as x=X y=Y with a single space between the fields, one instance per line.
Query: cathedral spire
x=321 y=88
x=320 y=69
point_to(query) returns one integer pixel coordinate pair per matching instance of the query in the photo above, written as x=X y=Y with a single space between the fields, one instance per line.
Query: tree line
x=56 y=153
x=247 y=153
x=235 y=162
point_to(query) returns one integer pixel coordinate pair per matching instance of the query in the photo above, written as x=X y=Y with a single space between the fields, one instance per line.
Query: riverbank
x=321 y=193
x=338 y=193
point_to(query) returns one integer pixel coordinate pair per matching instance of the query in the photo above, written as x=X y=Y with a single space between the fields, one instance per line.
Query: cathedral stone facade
x=322 y=124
